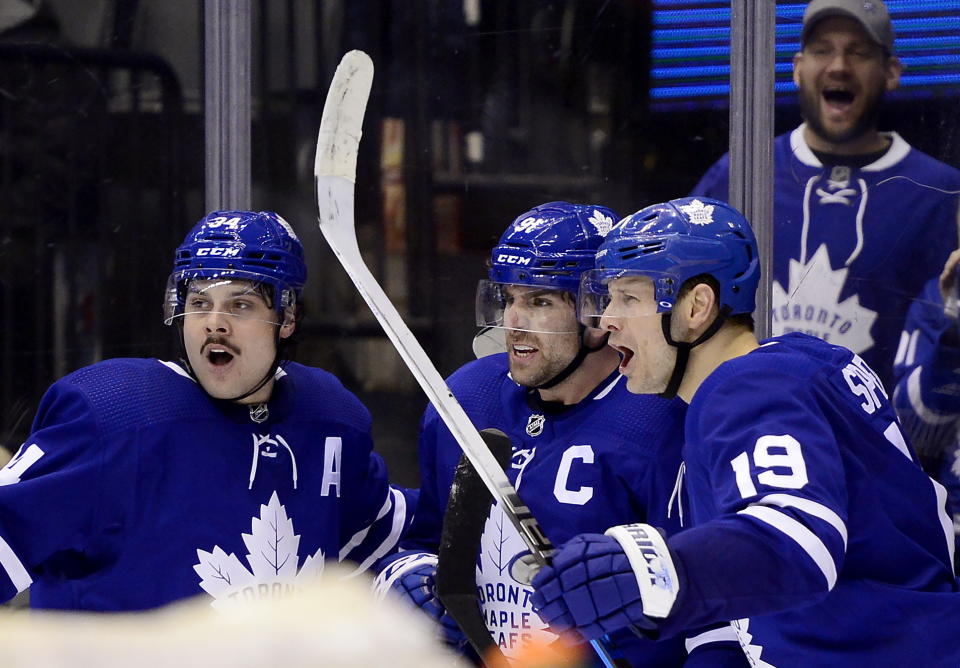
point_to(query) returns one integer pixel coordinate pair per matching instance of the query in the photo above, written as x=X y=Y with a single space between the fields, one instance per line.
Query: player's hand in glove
x=412 y=576
x=592 y=586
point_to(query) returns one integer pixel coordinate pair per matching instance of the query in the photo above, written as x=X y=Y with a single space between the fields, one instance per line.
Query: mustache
x=523 y=337
x=221 y=341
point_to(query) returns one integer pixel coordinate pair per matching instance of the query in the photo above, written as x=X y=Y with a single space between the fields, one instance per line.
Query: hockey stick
x=335 y=170
x=463 y=522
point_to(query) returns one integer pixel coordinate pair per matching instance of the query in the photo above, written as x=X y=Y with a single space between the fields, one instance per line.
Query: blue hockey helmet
x=549 y=247
x=259 y=247
x=673 y=242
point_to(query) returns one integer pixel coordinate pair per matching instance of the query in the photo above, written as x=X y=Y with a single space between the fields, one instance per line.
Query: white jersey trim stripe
x=173 y=366
x=898 y=150
x=399 y=519
x=945 y=520
x=808 y=541
x=722 y=634
x=609 y=388
x=915 y=395
x=358 y=537
x=810 y=508
x=280 y=373
x=14 y=568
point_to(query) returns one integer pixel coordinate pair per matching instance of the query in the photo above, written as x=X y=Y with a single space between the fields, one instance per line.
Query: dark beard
x=809 y=105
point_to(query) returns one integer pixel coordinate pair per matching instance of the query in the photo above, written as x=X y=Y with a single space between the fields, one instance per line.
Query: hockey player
x=812 y=524
x=860 y=217
x=585 y=450
x=927 y=369
x=142 y=481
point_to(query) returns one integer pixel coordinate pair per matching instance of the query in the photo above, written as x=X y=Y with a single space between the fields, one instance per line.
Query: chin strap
x=576 y=361
x=684 y=348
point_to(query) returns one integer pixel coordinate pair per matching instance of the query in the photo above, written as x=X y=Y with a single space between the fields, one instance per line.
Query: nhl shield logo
x=259 y=412
x=535 y=424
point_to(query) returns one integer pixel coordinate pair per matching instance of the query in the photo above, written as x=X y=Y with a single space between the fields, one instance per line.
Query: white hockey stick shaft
x=335 y=173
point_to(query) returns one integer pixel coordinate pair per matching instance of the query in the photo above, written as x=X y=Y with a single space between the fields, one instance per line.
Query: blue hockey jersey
x=927 y=394
x=610 y=459
x=852 y=246
x=136 y=489
x=813 y=526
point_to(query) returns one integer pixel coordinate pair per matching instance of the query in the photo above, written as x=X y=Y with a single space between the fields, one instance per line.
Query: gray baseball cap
x=871 y=14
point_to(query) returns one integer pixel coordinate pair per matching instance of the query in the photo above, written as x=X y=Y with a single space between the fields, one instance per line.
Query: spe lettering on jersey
x=863 y=382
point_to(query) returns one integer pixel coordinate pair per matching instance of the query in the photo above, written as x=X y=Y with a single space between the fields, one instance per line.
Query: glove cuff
x=396 y=569
x=652 y=565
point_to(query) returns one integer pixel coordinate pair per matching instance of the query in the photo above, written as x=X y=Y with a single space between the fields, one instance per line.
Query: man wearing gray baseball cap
x=860 y=216
x=872 y=16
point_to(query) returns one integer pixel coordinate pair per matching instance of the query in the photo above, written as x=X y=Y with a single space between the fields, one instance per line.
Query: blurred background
x=480 y=110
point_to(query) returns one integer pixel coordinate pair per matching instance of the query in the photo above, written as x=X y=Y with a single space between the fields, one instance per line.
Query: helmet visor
x=621 y=293
x=240 y=294
x=526 y=308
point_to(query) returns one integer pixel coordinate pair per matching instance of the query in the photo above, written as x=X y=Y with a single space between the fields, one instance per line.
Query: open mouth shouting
x=838 y=99
x=626 y=354
x=218 y=353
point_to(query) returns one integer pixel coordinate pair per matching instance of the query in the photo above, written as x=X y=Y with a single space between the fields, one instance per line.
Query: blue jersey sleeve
x=438 y=455
x=927 y=374
x=375 y=513
x=771 y=478
x=50 y=490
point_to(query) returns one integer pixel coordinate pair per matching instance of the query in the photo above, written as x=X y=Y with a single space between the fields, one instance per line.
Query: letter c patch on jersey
x=561 y=488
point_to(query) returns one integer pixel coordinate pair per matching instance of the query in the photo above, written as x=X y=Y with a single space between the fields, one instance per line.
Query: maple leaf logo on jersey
x=273 y=558
x=698 y=212
x=603 y=223
x=504 y=602
x=812 y=305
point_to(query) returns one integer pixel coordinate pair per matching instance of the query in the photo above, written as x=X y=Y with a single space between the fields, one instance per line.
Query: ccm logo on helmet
x=513 y=259
x=222 y=252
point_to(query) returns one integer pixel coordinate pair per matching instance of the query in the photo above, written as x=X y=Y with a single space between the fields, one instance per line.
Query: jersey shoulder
x=322 y=394
x=792 y=360
x=930 y=171
x=479 y=385
x=128 y=392
x=644 y=421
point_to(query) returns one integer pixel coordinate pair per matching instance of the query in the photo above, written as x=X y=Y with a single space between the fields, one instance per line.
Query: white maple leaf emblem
x=812 y=305
x=602 y=223
x=503 y=600
x=273 y=558
x=698 y=212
